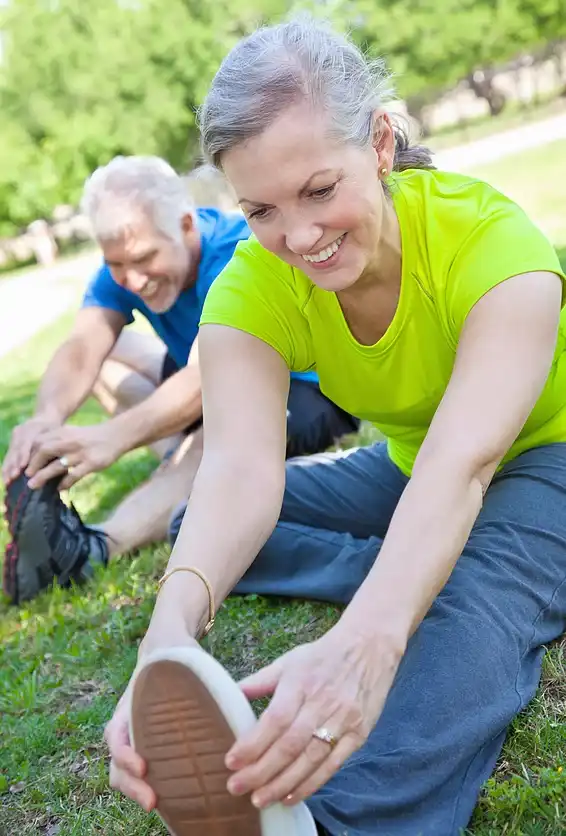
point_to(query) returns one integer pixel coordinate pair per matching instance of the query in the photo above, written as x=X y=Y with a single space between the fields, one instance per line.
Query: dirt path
x=496 y=146
x=31 y=300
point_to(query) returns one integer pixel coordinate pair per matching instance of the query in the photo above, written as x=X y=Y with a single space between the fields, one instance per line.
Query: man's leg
x=144 y=515
x=136 y=367
x=52 y=540
x=314 y=423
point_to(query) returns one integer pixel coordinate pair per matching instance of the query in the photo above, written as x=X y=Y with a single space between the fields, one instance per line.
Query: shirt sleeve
x=103 y=292
x=258 y=293
x=503 y=245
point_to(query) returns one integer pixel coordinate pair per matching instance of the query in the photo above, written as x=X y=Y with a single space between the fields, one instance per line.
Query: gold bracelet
x=206 y=582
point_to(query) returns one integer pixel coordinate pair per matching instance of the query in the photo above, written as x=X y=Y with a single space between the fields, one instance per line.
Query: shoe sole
x=186 y=713
x=28 y=569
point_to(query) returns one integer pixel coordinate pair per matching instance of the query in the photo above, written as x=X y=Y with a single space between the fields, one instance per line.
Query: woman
x=430 y=305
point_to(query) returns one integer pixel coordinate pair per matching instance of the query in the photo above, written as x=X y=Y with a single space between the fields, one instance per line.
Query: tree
x=83 y=81
x=431 y=45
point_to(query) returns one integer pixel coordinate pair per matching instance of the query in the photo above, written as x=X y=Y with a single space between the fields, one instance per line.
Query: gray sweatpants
x=474 y=662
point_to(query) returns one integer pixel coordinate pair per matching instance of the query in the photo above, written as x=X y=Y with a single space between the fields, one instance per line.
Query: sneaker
x=49 y=541
x=186 y=713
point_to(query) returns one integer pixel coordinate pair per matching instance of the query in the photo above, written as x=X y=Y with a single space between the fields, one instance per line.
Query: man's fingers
x=74 y=474
x=16 y=459
x=10 y=469
x=50 y=471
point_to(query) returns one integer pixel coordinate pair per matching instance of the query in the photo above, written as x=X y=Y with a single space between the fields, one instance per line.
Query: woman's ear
x=383 y=140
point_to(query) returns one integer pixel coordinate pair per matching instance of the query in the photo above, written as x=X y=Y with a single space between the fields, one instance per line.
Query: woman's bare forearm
x=233 y=509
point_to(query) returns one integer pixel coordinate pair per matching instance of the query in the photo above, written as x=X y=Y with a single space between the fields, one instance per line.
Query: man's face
x=149 y=264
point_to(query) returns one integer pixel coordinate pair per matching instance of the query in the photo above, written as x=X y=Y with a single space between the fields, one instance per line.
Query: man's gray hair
x=282 y=65
x=118 y=193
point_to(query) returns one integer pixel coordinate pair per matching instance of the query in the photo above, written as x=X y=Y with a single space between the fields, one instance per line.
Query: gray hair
x=304 y=59
x=127 y=187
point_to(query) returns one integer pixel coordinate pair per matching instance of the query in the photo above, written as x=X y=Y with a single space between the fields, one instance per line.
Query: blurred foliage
x=83 y=81
x=431 y=45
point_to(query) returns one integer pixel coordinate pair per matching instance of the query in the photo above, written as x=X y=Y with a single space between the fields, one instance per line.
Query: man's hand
x=24 y=437
x=82 y=450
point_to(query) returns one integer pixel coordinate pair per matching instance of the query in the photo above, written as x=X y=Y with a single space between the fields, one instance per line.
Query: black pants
x=314 y=422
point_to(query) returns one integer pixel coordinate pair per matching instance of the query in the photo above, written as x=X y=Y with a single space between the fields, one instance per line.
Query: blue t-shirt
x=178 y=327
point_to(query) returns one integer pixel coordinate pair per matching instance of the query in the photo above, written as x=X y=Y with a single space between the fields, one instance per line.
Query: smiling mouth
x=150 y=289
x=326 y=254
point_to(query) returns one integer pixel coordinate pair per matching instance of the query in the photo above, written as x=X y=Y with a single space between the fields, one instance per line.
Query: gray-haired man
x=160 y=257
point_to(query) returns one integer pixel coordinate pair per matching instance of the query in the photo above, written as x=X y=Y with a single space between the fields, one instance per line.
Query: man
x=160 y=257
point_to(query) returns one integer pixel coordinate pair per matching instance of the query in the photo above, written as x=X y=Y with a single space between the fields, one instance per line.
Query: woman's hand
x=128 y=769
x=340 y=683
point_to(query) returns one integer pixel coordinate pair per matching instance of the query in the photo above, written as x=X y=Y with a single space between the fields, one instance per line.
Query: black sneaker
x=49 y=542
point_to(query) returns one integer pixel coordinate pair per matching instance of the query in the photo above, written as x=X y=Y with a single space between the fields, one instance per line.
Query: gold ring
x=326 y=736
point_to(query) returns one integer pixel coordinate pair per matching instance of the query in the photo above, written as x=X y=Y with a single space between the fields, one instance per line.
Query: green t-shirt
x=460 y=238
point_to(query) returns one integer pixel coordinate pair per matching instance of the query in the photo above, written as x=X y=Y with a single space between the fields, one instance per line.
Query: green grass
x=66 y=657
x=536 y=179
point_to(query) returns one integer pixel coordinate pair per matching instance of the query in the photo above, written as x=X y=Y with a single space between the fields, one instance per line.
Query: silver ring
x=326 y=736
x=64 y=462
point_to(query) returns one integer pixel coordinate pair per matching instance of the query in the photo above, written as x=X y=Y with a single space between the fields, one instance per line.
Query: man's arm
x=76 y=364
x=174 y=405
x=67 y=382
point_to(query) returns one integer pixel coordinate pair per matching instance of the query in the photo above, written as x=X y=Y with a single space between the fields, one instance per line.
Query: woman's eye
x=320 y=194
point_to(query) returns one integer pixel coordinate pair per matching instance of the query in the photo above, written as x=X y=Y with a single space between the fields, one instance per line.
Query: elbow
x=473 y=466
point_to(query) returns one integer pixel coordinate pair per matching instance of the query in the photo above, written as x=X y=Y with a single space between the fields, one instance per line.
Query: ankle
x=111 y=546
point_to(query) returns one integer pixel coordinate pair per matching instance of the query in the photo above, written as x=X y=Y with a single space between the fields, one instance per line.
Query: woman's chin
x=334 y=281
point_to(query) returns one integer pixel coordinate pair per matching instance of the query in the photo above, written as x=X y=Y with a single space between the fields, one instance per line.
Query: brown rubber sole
x=183 y=736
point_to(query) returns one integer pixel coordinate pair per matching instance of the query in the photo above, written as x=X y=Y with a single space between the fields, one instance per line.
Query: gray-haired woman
x=429 y=304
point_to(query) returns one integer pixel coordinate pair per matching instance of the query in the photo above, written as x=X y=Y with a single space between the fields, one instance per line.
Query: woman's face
x=314 y=202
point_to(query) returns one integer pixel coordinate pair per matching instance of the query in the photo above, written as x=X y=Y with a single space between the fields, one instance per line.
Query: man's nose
x=135 y=280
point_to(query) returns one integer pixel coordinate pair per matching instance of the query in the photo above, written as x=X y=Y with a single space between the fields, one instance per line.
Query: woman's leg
x=331 y=502
x=336 y=511
x=473 y=664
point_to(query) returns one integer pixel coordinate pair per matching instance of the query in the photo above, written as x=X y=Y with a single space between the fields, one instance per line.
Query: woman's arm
x=238 y=491
x=503 y=360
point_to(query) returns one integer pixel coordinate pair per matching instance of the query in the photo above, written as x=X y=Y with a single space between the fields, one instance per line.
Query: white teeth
x=324 y=255
x=150 y=289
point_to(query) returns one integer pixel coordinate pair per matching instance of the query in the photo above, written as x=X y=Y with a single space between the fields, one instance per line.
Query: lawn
x=66 y=657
